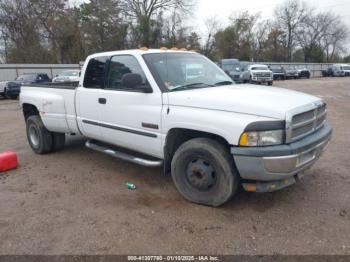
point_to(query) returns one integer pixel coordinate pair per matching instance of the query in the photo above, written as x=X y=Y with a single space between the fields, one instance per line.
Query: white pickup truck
x=259 y=74
x=148 y=107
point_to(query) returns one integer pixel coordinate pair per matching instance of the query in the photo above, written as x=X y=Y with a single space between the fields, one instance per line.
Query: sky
x=222 y=9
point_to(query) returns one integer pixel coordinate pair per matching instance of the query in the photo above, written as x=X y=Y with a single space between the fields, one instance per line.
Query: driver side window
x=118 y=67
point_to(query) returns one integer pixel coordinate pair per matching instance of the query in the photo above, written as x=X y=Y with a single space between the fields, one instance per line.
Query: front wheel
x=203 y=172
x=270 y=83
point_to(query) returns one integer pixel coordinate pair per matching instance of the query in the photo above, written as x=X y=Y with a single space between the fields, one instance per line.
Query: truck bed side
x=56 y=105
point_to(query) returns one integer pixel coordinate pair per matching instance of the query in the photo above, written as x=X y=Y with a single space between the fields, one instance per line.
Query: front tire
x=203 y=172
x=39 y=138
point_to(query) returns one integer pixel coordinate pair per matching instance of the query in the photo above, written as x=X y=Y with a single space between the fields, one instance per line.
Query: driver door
x=129 y=117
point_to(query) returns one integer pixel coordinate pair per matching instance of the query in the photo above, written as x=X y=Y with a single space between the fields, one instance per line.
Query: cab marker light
x=144 y=48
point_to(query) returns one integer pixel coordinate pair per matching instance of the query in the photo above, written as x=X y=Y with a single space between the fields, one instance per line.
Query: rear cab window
x=95 y=72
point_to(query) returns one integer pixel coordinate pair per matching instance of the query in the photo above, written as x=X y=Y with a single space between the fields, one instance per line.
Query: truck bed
x=56 y=104
x=64 y=85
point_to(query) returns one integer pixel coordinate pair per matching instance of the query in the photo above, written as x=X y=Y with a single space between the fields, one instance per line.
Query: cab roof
x=140 y=52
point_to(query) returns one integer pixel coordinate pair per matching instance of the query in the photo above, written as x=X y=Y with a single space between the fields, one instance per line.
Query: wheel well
x=177 y=136
x=29 y=110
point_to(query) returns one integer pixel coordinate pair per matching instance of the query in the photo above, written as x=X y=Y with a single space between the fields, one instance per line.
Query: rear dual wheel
x=203 y=172
x=41 y=140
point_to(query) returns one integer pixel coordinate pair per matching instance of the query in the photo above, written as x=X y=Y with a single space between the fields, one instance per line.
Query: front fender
x=227 y=125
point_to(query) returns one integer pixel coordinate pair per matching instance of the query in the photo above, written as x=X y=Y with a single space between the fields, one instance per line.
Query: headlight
x=262 y=138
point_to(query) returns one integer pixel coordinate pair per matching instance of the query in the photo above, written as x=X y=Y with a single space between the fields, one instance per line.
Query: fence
x=12 y=71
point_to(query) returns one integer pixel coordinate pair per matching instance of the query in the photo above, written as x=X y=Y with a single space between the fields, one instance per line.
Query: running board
x=121 y=155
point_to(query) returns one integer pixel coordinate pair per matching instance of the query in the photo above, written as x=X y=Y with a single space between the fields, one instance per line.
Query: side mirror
x=134 y=81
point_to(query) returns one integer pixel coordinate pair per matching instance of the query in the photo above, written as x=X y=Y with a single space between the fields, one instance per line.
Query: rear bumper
x=282 y=162
x=13 y=91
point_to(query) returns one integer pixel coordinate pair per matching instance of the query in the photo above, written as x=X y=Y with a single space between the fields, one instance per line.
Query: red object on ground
x=8 y=161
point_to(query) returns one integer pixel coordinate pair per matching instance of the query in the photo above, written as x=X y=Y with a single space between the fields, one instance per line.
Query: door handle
x=102 y=101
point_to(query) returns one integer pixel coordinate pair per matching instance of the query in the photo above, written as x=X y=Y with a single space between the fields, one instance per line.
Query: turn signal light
x=244 y=140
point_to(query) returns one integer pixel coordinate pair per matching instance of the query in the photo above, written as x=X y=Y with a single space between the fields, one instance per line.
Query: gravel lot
x=75 y=201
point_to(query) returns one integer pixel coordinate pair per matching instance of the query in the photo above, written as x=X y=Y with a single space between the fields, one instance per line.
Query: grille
x=307 y=122
x=262 y=74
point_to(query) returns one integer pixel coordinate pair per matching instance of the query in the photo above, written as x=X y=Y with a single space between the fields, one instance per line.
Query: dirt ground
x=75 y=201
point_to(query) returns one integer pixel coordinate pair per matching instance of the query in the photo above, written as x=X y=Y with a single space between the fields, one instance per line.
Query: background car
x=278 y=72
x=67 y=76
x=257 y=74
x=303 y=72
x=328 y=72
x=292 y=73
x=232 y=68
x=12 y=89
x=341 y=70
x=33 y=78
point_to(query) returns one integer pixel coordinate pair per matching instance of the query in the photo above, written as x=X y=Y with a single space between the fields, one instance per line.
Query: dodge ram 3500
x=145 y=106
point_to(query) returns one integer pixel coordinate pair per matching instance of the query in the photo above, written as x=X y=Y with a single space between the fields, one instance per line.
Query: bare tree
x=334 y=36
x=320 y=35
x=143 y=11
x=212 y=26
x=289 y=16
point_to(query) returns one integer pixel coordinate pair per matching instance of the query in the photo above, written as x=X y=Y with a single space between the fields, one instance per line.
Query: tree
x=193 y=41
x=289 y=16
x=334 y=37
x=212 y=26
x=320 y=36
x=143 y=13
x=103 y=26
x=20 y=28
x=237 y=40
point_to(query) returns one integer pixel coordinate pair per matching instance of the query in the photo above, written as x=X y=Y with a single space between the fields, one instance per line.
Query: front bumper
x=283 y=162
x=262 y=79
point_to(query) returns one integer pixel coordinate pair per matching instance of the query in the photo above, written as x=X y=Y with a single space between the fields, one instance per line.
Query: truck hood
x=256 y=100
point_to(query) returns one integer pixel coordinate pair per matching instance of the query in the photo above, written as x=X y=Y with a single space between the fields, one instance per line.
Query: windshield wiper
x=223 y=83
x=190 y=86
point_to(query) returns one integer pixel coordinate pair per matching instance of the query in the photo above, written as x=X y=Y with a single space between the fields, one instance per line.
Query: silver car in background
x=67 y=76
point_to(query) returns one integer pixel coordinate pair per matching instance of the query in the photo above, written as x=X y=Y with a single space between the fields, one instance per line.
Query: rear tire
x=39 y=138
x=203 y=172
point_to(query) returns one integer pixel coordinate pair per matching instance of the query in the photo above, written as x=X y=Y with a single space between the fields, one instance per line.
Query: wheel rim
x=33 y=136
x=200 y=174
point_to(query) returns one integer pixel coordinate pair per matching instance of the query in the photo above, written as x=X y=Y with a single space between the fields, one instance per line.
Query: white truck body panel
x=56 y=107
x=244 y=99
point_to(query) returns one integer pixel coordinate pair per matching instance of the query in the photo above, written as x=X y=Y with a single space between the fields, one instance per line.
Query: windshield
x=231 y=67
x=181 y=71
x=259 y=68
x=276 y=68
x=69 y=73
x=26 y=77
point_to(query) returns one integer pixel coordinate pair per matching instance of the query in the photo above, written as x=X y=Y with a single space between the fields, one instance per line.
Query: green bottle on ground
x=130 y=186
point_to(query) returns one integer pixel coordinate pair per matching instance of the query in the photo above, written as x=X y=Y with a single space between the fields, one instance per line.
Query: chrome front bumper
x=282 y=162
